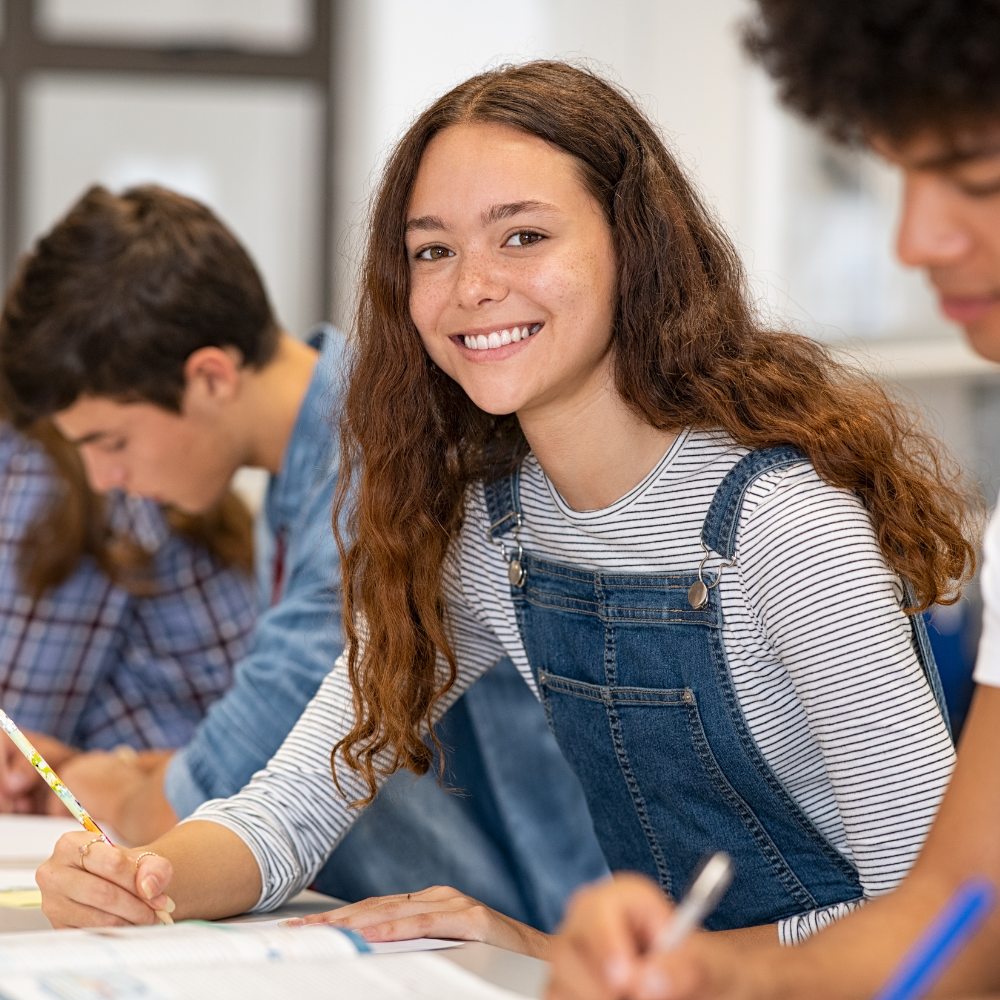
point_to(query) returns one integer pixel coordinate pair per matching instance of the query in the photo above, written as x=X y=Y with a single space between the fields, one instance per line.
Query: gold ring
x=85 y=850
x=86 y=847
x=145 y=854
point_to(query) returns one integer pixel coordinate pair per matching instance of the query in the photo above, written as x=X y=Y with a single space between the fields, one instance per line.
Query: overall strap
x=925 y=653
x=719 y=530
x=503 y=504
x=719 y=534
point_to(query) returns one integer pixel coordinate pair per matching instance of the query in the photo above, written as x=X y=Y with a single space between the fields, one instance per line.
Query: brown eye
x=525 y=239
x=434 y=253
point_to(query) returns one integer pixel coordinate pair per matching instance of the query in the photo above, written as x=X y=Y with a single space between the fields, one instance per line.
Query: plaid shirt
x=94 y=665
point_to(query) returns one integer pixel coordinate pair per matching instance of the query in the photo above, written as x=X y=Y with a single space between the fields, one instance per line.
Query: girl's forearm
x=215 y=874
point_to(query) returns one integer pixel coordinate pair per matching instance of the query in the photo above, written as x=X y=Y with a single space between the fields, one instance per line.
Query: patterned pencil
x=51 y=778
x=54 y=782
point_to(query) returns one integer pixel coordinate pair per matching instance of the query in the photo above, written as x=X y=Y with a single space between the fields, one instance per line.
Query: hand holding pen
x=707 y=889
x=80 y=814
x=616 y=935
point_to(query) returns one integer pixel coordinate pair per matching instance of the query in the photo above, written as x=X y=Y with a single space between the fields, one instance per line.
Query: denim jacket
x=298 y=634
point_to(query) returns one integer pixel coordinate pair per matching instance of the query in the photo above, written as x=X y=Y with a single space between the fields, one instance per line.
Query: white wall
x=249 y=151
x=394 y=57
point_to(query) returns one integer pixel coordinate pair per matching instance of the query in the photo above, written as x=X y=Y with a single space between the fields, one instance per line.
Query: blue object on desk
x=940 y=944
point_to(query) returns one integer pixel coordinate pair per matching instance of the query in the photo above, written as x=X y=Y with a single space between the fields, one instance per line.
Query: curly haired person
x=567 y=439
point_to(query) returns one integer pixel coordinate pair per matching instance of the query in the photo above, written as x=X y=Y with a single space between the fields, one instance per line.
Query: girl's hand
x=437 y=912
x=602 y=951
x=89 y=883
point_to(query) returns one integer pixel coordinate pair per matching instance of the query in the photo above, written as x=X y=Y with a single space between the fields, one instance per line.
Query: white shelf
x=908 y=360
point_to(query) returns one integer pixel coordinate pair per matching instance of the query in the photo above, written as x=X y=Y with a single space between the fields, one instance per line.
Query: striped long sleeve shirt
x=819 y=650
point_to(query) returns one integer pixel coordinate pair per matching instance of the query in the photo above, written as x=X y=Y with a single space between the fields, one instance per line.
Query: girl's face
x=512 y=269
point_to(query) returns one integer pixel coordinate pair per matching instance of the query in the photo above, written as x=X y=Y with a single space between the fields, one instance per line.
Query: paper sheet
x=17 y=888
x=412 y=944
x=18 y=898
x=394 y=977
x=28 y=840
x=17 y=878
x=377 y=947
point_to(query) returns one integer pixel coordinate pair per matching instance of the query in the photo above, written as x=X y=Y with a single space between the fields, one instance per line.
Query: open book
x=196 y=960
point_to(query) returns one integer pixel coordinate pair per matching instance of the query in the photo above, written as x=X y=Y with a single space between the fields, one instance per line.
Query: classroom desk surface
x=517 y=973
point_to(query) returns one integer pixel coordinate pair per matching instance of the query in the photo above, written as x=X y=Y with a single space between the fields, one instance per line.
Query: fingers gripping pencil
x=54 y=782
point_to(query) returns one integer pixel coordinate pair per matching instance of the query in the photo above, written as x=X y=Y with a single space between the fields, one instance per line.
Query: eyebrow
x=956 y=157
x=425 y=222
x=88 y=438
x=495 y=213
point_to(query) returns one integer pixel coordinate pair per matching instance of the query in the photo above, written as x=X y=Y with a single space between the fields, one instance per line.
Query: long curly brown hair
x=688 y=351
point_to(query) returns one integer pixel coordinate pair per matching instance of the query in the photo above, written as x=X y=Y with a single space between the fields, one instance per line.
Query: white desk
x=503 y=968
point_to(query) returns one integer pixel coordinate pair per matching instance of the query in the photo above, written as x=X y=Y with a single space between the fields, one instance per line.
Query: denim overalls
x=637 y=690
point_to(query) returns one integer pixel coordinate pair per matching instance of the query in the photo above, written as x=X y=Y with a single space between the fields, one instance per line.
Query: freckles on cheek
x=427 y=301
x=580 y=283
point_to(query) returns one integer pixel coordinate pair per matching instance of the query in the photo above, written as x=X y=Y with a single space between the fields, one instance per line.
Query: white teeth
x=500 y=338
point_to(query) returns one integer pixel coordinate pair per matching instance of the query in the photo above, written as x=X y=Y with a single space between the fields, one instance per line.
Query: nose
x=478 y=281
x=104 y=472
x=931 y=230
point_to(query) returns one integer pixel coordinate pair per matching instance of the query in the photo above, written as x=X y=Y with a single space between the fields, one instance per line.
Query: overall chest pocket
x=659 y=798
x=623 y=630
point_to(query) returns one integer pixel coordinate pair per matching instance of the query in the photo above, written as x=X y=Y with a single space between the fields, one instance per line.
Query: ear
x=212 y=377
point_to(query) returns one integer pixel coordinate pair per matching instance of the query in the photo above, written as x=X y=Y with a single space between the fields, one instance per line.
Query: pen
x=54 y=782
x=939 y=945
x=699 y=901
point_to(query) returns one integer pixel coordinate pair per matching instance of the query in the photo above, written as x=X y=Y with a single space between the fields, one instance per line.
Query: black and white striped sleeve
x=828 y=603
x=291 y=815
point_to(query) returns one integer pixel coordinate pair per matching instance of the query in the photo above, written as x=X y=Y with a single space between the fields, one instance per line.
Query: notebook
x=195 y=960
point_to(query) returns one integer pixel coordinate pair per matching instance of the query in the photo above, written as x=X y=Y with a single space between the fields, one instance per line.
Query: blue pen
x=922 y=966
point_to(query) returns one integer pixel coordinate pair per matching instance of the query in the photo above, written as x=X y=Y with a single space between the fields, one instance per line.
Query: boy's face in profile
x=950 y=223
x=179 y=459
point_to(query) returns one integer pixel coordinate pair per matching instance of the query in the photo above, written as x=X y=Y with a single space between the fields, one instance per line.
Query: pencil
x=52 y=779
x=54 y=782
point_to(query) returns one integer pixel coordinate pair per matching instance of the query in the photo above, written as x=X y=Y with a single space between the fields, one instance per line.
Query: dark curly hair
x=893 y=67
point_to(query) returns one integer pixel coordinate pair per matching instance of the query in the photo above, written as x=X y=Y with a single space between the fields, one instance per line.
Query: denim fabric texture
x=637 y=690
x=510 y=826
x=296 y=640
x=93 y=665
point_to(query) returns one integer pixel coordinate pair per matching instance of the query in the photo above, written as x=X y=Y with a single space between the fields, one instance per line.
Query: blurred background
x=277 y=113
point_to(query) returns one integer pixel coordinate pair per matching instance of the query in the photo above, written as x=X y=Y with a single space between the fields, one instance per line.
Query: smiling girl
x=569 y=441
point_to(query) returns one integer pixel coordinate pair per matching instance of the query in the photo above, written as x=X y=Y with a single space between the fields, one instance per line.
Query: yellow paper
x=21 y=897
